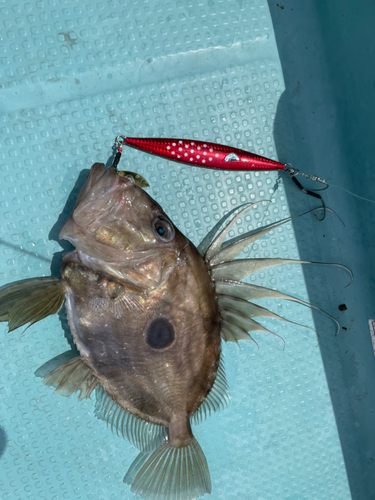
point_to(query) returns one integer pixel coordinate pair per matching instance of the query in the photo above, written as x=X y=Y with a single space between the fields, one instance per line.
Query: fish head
x=118 y=229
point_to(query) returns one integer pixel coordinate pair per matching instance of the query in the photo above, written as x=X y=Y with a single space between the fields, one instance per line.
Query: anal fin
x=143 y=435
x=72 y=376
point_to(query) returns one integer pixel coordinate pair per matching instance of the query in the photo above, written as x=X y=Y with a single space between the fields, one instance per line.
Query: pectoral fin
x=30 y=301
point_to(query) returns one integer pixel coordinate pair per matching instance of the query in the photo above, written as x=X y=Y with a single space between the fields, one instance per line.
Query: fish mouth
x=94 y=200
x=112 y=230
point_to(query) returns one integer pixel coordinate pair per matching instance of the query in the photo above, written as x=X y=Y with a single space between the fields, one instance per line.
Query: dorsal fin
x=226 y=334
x=239 y=269
x=210 y=236
x=72 y=376
x=218 y=397
x=145 y=436
x=253 y=310
x=248 y=291
x=215 y=246
x=232 y=250
x=233 y=333
x=243 y=321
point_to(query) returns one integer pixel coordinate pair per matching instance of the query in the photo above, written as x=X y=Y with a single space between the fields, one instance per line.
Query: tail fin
x=30 y=301
x=170 y=472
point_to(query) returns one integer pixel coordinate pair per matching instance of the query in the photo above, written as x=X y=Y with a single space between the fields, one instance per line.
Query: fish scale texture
x=74 y=75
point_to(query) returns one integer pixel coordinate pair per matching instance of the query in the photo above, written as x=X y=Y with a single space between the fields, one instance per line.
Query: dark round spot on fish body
x=160 y=334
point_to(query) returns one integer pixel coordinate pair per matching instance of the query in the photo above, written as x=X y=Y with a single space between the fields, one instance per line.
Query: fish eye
x=163 y=228
x=160 y=334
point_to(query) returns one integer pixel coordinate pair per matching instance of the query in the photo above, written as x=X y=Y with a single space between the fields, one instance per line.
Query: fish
x=148 y=314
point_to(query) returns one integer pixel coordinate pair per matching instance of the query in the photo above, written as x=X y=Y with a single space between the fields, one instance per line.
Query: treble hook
x=293 y=172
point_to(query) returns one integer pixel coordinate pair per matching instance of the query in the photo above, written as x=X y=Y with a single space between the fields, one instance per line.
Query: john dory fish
x=147 y=313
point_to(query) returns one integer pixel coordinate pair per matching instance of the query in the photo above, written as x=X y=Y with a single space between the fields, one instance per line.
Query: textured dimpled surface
x=74 y=75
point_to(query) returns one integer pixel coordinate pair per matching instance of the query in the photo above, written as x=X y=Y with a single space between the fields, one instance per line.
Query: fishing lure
x=211 y=155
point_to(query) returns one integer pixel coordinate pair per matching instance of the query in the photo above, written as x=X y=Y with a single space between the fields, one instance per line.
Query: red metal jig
x=210 y=155
x=204 y=154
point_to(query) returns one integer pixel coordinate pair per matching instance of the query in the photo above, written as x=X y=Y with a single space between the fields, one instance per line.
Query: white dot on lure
x=185 y=154
x=210 y=159
x=180 y=149
x=186 y=145
x=173 y=143
x=173 y=153
x=216 y=156
x=211 y=150
x=203 y=161
x=198 y=157
x=192 y=151
x=168 y=147
x=199 y=148
x=191 y=159
x=180 y=142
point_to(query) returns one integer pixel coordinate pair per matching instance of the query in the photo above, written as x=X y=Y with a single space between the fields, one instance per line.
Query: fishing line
x=353 y=194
